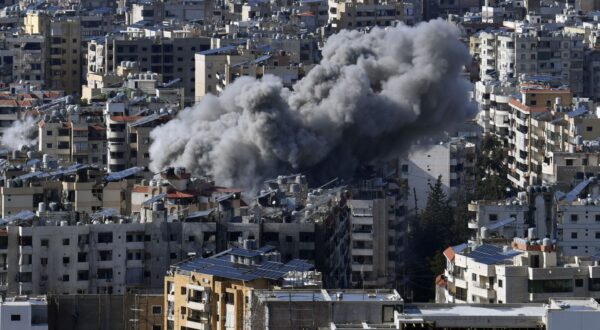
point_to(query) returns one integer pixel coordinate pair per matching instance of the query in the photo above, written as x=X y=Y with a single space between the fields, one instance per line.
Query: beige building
x=355 y=14
x=63 y=44
x=215 y=292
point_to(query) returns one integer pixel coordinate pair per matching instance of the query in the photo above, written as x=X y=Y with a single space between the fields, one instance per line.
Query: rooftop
x=243 y=265
x=330 y=295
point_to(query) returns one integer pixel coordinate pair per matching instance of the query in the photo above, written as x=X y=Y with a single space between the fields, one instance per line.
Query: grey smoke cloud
x=20 y=133
x=370 y=97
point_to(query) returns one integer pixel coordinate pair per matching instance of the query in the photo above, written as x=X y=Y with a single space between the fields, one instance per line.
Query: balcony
x=362 y=252
x=199 y=306
x=482 y=290
x=200 y=324
x=362 y=236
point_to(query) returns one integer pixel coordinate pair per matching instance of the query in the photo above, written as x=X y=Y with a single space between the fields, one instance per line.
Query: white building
x=24 y=313
x=527 y=271
x=453 y=160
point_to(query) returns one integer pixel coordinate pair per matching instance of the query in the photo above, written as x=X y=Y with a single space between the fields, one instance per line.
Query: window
x=44 y=242
x=173 y=255
x=105 y=255
x=105 y=273
x=83 y=275
x=474 y=277
x=66 y=241
x=49 y=145
x=499 y=283
x=156 y=327
x=66 y=260
x=289 y=239
x=550 y=286
x=569 y=162
x=156 y=310
x=183 y=290
x=573 y=235
x=579 y=282
x=65 y=278
x=49 y=133
x=82 y=257
x=589 y=128
x=597 y=217
x=493 y=217
x=43 y=261
x=105 y=237
x=598 y=235
x=15 y=317
x=307 y=237
x=573 y=217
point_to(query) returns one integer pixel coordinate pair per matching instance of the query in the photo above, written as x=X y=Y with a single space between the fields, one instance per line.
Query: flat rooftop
x=330 y=295
x=483 y=310
x=575 y=304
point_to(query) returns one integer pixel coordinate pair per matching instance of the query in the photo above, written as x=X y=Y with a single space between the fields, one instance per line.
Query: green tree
x=432 y=233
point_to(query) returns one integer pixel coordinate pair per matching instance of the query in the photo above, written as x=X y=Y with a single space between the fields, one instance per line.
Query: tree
x=432 y=233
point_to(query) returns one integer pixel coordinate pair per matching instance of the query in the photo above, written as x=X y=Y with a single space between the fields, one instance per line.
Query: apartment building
x=63 y=44
x=453 y=160
x=377 y=228
x=216 y=292
x=526 y=137
x=83 y=187
x=537 y=52
x=358 y=14
x=171 y=53
x=71 y=252
x=528 y=271
x=77 y=139
x=492 y=100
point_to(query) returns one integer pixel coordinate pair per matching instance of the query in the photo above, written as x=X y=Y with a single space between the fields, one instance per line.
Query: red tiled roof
x=140 y=189
x=125 y=118
x=526 y=108
x=449 y=253
x=9 y=103
x=179 y=194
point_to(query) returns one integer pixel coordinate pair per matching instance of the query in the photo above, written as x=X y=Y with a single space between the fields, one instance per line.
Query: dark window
x=307 y=236
x=579 y=282
x=105 y=237
x=66 y=260
x=573 y=235
x=15 y=317
x=83 y=275
x=574 y=217
x=493 y=217
x=550 y=286
x=66 y=241
x=44 y=242
x=156 y=310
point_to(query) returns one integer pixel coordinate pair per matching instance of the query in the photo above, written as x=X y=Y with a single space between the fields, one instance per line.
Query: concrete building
x=535 y=52
x=62 y=35
x=358 y=14
x=527 y=271
x=24 y=313
x=170 y=54
x=377 y=228
x=296 y=309
x=453 y=160
x=142 y=311
x=216 y=292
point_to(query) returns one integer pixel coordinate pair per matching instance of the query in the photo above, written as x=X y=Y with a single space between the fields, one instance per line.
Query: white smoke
x=369 y=98
x=20 y=133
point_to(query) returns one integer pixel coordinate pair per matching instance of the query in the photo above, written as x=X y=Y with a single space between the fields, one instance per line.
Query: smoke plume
x=20 y=133
x=371 y=96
